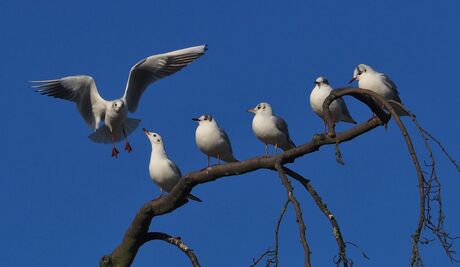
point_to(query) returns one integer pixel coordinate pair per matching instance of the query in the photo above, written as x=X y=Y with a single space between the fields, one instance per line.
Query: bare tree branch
x=125 y=253
x=323 y=207
x=358 y=93
x=277 y=228
x=176 y=241
x=298 y=211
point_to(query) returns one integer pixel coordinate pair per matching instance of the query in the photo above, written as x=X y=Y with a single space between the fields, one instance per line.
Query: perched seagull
x=380 y=83
x=94 y=109
x=162 y=170
x=212 y=140
x=269 y=128
x=338 y=107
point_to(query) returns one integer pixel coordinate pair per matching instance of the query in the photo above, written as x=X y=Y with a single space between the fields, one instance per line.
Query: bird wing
x=175 y=168
x=79 y=89
x=388 y=82
x=281 y=125
x=224 y=135
x=154 y=68
x=345 y=112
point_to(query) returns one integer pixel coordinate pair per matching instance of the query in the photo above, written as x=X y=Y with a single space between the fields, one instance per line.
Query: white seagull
x=212 y=140
x=378 y=82
x=270 y=129
x=162 y=170
x=338 y=107
x=94 y=109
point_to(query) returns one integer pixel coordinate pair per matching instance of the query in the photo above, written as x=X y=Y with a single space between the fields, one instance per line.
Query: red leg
x=127 y=145
x=115 y=151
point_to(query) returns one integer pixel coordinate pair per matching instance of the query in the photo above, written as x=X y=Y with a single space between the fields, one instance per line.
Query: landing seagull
x=269 y=128
x=94 y=109
x=380 y=83
x=338 y=108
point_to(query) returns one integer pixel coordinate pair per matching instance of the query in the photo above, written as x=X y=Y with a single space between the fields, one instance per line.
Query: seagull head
x=360 y=71
x=205 y=119
x=154 y=138
x=321 y=81
x=262 y=108
x=118 y=105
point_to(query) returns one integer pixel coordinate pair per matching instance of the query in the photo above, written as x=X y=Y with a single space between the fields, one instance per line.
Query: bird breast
x=264 y=128
x=115 y=119
x=209 y=140
x=163 y=175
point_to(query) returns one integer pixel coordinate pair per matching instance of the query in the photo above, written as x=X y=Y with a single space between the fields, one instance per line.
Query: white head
x=321 y=81
x=118 y=105
x=262 y=108
x=205 y=119
x=360 y=71
x=154 y=138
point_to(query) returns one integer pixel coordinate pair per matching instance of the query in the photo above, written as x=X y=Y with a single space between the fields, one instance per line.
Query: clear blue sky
x=66 y=202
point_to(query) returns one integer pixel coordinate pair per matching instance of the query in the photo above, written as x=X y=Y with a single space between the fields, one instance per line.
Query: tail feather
x=229 y=158
x=400 y=111
x=192 y=197
x=290 y=144
x=103 y=134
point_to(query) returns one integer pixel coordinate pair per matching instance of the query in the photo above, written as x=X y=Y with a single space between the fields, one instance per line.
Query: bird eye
x=258 y=107
x=205 y=118
x=154 y=135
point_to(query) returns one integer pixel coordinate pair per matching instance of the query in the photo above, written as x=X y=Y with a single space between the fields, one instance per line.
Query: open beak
x=146 y=131
x=195 y=119
x=352 y=80
x=251 y=110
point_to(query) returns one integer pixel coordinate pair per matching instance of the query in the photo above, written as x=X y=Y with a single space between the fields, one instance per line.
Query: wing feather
x=154 y=68
x=80 y=89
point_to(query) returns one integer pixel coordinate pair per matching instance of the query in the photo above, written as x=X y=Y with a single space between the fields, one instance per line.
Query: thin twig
x=323 y=207
x=298 y=211
x=277 y=228
x=433 y=192
x=268 y=252
x=176 y=241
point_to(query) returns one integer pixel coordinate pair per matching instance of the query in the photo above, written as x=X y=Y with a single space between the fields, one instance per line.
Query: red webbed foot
x=128 y=147
x=115 y=152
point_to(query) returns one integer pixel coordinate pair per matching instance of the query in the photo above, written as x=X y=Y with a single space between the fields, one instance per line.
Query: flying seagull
x=212 y=140
x=380 y=83
x=338 y=107
x=113 y=114
x=269 y=128
x=162 y=170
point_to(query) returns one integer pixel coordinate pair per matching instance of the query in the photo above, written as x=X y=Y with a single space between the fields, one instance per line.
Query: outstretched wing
x=154 y=68
x=79 y=89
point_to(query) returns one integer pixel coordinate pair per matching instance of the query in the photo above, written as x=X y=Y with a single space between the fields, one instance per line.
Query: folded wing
x=79 y=89
x=154 y=68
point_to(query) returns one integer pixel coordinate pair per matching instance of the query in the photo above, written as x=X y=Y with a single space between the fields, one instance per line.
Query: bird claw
x=115 y=152
x=128 y=147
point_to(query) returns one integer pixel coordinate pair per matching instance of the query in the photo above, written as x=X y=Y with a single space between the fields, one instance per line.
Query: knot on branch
x=106 y=261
